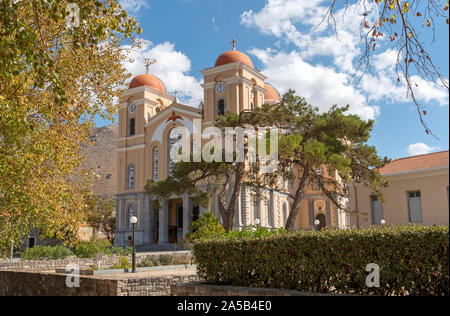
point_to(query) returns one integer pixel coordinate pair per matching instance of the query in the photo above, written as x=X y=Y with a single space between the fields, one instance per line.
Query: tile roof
x=434 y=160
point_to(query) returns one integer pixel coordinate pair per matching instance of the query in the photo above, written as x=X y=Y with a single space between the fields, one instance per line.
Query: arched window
x=155 y=162
x=285 y=213
x=132 y=127
x=130 y=214
x=267 y=206
x=131 y=176
x=175 y=143
x=221 y=107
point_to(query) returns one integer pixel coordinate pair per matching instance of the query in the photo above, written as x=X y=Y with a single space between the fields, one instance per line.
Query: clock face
x=220 y=88
x=132 y=108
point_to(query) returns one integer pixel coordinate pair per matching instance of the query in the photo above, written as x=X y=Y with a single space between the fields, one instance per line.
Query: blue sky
x=187 y=36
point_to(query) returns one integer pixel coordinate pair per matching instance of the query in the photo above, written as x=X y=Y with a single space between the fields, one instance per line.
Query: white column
x=239 y=212
x=164 y=224
x=186 y=211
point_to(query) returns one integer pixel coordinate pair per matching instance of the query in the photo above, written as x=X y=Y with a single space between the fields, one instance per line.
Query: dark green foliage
x=46 y=252
x=311 y=141
x=90 y=249
x=413 y=260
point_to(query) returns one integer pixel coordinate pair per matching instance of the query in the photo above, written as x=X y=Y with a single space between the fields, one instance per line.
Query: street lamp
x=133 y=221
x=382 y=222
x=257 y=222
x=317 y=223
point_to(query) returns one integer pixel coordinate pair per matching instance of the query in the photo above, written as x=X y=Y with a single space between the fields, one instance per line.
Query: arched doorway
x=323 y=222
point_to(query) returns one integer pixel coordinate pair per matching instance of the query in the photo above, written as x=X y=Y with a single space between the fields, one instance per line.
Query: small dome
x=149 y=81
x=271 y=93
x=233 y=56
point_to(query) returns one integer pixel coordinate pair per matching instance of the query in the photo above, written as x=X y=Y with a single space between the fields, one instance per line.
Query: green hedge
x=413 y=260
x=46 y=252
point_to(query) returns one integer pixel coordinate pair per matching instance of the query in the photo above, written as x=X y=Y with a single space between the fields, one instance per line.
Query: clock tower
x=233 y=84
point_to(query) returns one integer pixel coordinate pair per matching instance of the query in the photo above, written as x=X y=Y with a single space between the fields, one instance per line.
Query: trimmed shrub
x=46 y=252
x=413 y=260
x=90 y=249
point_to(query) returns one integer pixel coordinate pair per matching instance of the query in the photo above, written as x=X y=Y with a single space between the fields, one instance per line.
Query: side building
x=418 y=193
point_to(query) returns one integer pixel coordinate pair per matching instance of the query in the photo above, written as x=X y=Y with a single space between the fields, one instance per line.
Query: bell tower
x=232 y=85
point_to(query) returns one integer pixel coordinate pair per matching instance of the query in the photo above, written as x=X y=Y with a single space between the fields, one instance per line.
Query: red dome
x=271 y=93
x=233 y=56
x=149 y=81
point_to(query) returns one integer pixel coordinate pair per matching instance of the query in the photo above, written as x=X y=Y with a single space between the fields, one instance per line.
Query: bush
x=46 y=252
x=90 y=249
x=149 y=262
x=166 y=260
x=123 y=263
x=252 y=232
x=121 y=251
x=413 y=260
x=205 y=228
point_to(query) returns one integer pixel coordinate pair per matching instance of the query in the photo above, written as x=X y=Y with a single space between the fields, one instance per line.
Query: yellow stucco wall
x=433 y=186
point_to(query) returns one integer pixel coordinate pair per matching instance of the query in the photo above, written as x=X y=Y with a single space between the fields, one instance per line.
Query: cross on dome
x=234 y=42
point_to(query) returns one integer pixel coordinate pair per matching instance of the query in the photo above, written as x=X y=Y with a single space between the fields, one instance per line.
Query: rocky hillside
x=101 y=158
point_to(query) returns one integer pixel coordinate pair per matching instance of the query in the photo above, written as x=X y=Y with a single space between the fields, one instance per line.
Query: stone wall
x=104 y=262
x=15 y=283
x=199 y=289
x=154 y=286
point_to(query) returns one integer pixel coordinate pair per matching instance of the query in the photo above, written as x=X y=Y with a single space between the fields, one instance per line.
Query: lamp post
x=383 y=222
x=257 y=222
x=133 y=221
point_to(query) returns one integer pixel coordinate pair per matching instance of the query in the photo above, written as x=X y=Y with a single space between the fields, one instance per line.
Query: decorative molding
x=232 y=66
x=131 y=148
x=131 y=138
x=131 y=92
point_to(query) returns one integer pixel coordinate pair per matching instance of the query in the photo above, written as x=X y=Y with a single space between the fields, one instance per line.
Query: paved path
x=149 y=274
x=159 y=253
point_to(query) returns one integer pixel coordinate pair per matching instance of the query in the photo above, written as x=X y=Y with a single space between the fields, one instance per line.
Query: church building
x=149 y=122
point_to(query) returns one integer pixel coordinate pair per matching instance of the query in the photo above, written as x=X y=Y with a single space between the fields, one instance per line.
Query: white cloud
x=172 y=67
x=134 y=6
x=421 y=149
x=321 y=86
